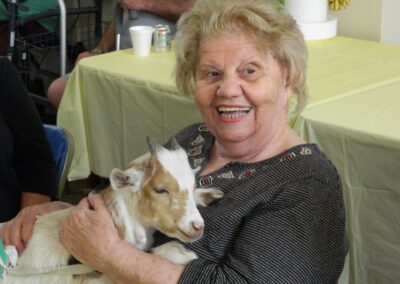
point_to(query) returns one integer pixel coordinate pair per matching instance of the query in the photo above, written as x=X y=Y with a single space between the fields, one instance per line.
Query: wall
x=390 y=29
x=360 y=20
x=376 y=20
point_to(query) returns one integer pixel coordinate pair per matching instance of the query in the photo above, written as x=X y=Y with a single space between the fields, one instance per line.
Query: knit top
x=281 y=220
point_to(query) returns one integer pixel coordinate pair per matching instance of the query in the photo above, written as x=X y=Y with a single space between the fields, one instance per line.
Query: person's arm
x=106 y=44
x=18 y=230
x=89 y=234
x=168 y=9
x=33 y=161
x=107 y=41
x=31 y=198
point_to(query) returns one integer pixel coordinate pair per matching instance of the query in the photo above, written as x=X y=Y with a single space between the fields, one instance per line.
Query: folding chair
x=62 y=147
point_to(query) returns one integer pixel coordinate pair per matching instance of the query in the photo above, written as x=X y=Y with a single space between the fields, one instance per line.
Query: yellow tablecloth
x=361 y=136
x=114 y=101
x=343 y=66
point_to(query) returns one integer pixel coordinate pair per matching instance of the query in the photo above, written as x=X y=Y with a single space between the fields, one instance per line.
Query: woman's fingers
x=96 y=202
x=26 y=227
x=12 y=234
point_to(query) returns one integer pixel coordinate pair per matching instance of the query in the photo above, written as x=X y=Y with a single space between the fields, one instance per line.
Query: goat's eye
x=160 y=190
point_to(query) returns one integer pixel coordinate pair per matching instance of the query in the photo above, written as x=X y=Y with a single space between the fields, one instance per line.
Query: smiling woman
x=281 y=219
x=242 y=95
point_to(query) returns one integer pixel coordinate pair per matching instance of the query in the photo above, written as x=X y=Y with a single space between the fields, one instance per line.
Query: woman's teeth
x=233 y=112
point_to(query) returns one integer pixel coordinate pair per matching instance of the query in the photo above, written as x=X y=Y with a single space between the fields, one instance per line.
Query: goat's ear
x=174 y=144
x=205 y=196
x=154 y=146
x=131 y=179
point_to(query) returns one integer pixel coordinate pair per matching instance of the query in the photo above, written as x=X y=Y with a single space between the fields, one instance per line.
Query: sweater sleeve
x=302 y=241
x=33 y=161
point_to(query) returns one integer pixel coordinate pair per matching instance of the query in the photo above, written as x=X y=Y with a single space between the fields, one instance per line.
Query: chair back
x=62 y=147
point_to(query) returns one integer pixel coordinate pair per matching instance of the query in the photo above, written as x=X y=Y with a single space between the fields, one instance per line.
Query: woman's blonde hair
x=264 y=21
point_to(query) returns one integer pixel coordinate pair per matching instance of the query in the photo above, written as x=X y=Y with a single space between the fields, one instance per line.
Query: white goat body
x=157 y=191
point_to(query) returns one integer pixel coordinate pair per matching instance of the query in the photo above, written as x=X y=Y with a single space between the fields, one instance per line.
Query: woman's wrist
x=118 y=261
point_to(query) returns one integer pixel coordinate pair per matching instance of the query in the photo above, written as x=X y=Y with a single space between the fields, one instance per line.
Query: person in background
x=138 y=12
x=27 y=168
x=282 y=217
x=27 y=8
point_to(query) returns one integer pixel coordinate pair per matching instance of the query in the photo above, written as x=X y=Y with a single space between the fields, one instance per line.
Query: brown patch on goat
x=163 y=210
x=108 y=200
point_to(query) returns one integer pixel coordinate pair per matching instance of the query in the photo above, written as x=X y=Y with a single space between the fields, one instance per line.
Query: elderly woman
x=282 y=218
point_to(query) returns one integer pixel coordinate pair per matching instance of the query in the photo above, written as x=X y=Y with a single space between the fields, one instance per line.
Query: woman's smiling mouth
x=233 y=112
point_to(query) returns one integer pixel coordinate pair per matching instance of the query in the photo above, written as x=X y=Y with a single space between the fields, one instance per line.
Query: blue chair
x=62 y=147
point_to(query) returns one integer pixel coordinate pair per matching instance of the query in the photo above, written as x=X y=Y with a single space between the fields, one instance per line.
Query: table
x=354 y=116
x=114 y=101
x=361 y=136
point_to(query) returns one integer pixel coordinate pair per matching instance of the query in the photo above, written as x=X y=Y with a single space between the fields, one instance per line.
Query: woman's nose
x=229 y=86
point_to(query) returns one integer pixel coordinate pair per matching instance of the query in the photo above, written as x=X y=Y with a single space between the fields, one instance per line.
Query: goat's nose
x=198 y=226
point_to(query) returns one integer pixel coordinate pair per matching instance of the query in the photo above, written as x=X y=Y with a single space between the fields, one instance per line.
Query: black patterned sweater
x=281 y=220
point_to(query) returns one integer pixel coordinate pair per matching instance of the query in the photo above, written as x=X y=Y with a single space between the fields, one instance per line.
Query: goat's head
x=164 y=184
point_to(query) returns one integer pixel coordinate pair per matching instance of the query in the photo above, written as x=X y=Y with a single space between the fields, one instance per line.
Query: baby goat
x=157 y=191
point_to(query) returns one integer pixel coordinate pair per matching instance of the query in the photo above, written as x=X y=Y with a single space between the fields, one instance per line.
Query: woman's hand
x=82 y=55
x=18 y=231
x=88 y=233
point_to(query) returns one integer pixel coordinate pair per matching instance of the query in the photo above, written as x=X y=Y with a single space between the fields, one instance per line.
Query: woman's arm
x=90 y=236
x=168 y=9
x=30 y=198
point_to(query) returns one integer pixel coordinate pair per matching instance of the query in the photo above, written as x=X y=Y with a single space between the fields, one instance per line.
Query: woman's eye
x=249 y=71
x=213 y=74
x=160 y=190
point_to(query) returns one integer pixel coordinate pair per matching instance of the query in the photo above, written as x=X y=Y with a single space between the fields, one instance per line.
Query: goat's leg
x=175 y=252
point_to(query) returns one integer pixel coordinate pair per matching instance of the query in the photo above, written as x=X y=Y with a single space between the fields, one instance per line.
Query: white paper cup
x=141 y=39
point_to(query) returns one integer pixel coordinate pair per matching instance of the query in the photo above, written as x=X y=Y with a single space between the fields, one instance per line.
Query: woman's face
x=241 y=94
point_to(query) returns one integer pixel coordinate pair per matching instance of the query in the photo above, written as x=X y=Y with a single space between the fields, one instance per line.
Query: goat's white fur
x=44 y=249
